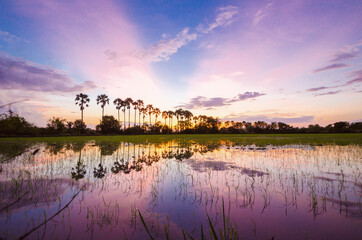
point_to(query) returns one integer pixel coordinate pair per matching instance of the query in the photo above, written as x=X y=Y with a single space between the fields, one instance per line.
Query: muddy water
x=98 y=190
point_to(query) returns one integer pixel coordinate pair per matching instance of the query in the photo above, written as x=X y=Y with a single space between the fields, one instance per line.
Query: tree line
x=186 y=122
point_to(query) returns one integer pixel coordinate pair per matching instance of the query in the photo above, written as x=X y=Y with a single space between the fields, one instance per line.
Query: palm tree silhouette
x=124 y=105
x=157 y=112
x=135 y=107
x=179 y=113
x=170 y=117
x=103 y=99
x=165 y=116
x=118 y=103
x=140 y=106
x=149 y=108
x=82 y=101
x=129 y=101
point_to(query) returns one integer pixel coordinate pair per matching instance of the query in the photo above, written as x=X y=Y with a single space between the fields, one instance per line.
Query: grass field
x=258 y=139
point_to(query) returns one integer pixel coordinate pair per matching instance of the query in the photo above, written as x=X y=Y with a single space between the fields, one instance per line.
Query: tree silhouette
x=170 y=117
x=149 y=108
x=82 y=101
x=103 y=100
x=118 y=103
x=165 y=116
x=129 y=101
x=157 y=112
x=135 y=107
x=140 y=106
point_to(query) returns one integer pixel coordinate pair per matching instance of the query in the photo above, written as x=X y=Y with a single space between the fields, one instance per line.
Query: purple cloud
x=332 y=66
x=356 y=77
x=204 y=102
x=316 y=89
x=344 y=56
x=269 y=119
x=17 y=73
x=328 y=93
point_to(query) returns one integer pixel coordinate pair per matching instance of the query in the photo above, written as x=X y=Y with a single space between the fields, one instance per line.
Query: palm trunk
x=118 y=116
x=129 y=118
x=124 y=116
x=135 y=118
x=102 y=113
x=139 y=118
x=82 y=114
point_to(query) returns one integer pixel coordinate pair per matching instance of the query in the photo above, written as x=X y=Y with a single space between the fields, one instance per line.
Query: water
x=96 y=190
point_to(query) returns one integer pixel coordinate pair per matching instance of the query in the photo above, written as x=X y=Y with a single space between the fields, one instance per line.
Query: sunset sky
x=298 y=62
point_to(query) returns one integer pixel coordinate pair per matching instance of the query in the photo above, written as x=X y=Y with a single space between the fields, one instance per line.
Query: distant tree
x=129 y=102
x=165 y=116
x=108 y=125
x=118 y=103
x=149 y=108
x=103 y=100
x=135 y=107
x=140 y=106
x=157 y=112
x=340 y=126
x=15 y=125
x=356 y=127
x=79 y=126
x=56 y=125
x=82 y=101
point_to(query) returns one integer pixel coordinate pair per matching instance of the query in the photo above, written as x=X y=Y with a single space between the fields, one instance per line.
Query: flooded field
x=180 y=189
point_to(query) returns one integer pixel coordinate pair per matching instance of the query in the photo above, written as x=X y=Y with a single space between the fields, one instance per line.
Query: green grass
x=258 y=139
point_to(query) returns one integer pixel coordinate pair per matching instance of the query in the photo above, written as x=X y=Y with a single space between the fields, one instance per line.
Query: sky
x=297 y=62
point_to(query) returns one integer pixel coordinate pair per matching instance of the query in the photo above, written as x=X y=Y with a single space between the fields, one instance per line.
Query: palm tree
x=165 y=116
x=82 y=101
x=140 y=106
x=149 y=108
x=124 y=105
x=170 y=117
x=118 y=103
x=129 y=101
x=157 y=112
x=103 y=99
x=179 y=113
x=135 y=107
x=144 y=112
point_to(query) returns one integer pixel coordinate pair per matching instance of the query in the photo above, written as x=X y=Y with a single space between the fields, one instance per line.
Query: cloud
x=244 y=96
x=316 y=89
x=261 y=13
x=347 y=52
x=328 y=93
x=224 y=17
x=270 y=118
x=8 y=37
x=344 y=56
x=16 y=73
x=162 y=50
x=332 y=66
x=204 y=102
x=356 y=77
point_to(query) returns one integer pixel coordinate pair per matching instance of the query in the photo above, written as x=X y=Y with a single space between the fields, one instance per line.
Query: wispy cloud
x=316 y=89
x=261 y=13
x=8 y=37
x=331 y=66
x=328 y=93
x=204 y=102
x=270 y=118
x=162 y=50
x=16 y=73
x=356 y=77
x=346 y=53
x=224 y=17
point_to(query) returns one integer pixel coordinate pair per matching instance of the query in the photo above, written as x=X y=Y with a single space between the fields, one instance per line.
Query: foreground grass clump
x=258 y=139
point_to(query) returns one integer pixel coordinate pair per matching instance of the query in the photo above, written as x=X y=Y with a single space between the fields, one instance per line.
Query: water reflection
x=291 y=191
